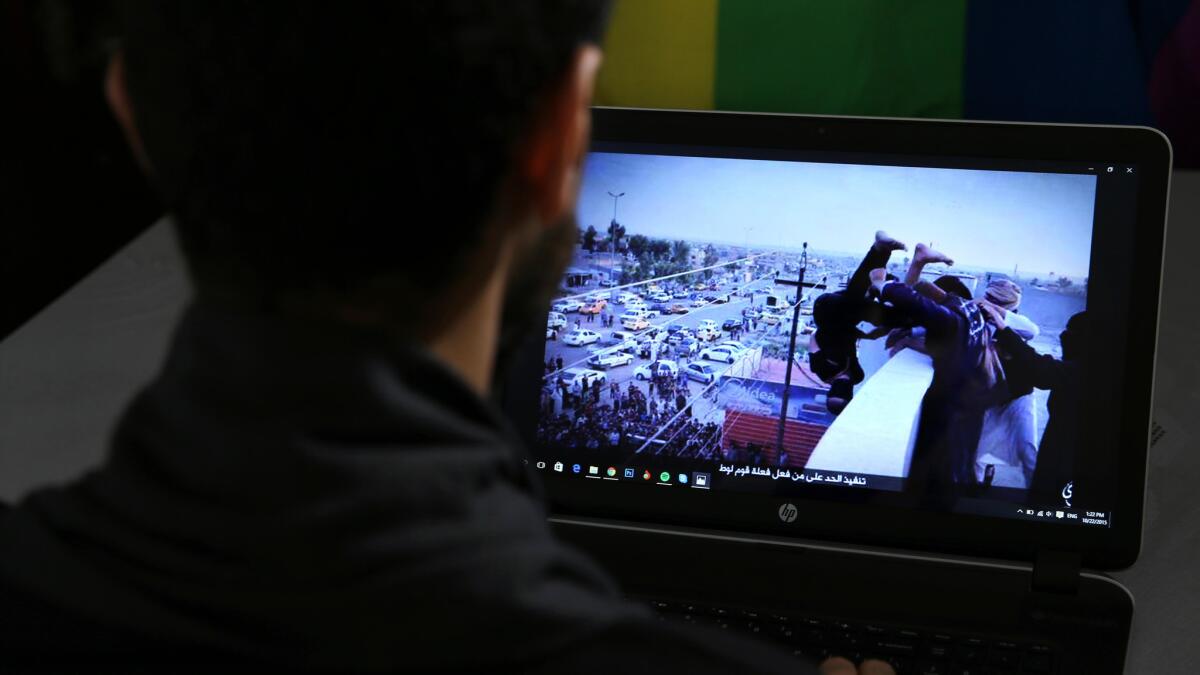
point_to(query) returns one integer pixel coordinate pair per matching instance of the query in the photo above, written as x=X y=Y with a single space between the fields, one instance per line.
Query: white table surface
x=66 y=375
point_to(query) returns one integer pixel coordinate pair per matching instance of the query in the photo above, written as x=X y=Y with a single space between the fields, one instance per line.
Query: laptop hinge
x=1056 y=572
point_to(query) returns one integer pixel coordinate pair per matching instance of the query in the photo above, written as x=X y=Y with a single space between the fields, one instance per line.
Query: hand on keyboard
x=840 y=666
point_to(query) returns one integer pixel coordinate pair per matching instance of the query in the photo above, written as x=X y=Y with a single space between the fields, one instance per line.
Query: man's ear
x=552 y=159
x=117 y=96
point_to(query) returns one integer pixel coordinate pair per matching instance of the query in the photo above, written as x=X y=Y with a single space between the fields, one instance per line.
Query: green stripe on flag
x=848 y=57
x=659 y=54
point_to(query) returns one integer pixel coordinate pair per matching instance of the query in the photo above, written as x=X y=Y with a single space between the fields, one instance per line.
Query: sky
x=987 y=219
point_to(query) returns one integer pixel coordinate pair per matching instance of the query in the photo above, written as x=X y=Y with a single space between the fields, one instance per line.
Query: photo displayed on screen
x=887 y=327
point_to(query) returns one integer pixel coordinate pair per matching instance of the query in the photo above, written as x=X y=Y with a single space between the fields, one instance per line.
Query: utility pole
x=612 y=246
x=787 y=374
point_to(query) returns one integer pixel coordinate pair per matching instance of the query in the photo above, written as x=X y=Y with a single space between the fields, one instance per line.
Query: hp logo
x=788 y=513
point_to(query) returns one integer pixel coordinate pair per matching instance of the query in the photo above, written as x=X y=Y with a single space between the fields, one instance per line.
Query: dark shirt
x=292 y=495
x=952 y=409
x=1026 y=369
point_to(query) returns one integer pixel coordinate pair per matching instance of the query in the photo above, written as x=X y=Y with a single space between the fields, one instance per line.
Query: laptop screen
x=836 y=325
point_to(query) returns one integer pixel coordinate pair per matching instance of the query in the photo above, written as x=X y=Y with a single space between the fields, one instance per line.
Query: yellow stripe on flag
x=659 y=54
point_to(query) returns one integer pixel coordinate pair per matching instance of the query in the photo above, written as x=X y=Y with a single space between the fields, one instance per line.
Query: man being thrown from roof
x=833 y=348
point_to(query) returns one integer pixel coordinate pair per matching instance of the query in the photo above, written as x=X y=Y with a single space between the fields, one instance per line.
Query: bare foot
x=925 y=255
x=883 y=242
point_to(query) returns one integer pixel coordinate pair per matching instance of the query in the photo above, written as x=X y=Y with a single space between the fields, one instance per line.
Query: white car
x=626 y=298
x=660 y=297
x=722 y=354
x=733 y=345
x=708 y=324
x=660 y=367
x=610 y=360
x=556 y=320
x=636 y=305
x=580 y=337
x=770 y=318
x=704 y=372
x=707 y=334
x=635 y=323
x=623 y=335
x=681 y=295
x=581 y=375
x=567 y=306
x=699 y=302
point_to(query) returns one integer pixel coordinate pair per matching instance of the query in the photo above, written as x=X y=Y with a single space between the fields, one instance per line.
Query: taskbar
x=1062 y=514
x=706 y=475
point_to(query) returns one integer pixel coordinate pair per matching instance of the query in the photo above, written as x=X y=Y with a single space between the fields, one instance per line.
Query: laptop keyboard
x=911 y=651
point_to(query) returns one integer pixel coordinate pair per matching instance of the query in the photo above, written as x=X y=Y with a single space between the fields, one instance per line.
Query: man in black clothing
x=317 y=479
x=833 y=348
x=1026 y=369
x=953 y=406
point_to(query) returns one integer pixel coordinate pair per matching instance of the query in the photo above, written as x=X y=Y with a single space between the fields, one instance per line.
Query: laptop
x=775 y=396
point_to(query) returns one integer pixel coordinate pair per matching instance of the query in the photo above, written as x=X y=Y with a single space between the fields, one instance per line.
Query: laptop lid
x=735 y=347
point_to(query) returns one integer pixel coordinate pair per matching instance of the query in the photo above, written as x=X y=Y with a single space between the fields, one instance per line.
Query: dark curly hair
x=314 y=148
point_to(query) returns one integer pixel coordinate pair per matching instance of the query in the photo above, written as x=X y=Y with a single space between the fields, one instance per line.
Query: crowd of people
x=607 y=416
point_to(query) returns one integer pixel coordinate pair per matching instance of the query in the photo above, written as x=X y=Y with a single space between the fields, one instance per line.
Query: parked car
x=733 y=344
x=673 y=328
x=625 y=297
x=682 y=295
x=730 y=324
x=698 y=302
x=581 y=375
x=704 y=372
x=568 y=306
x=688 y=346
x=679 y=309
x=722 y=354
x=707 y=324
x=635 y=323
x=770 y=318
x=650 y=343
x=610 y=360
x=610 y=344
x=679 y=336
x=594 y=307
x=659 y=367
x=580 y=337
x=722 y=299
x=623 y=335
x=636 y=305
x=707 y=334
x=555 y=320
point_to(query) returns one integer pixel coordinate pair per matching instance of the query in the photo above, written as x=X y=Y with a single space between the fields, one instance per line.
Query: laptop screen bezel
x=1115 y=547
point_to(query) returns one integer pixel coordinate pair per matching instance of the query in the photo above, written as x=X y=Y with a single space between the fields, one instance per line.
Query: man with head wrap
x=1026 y=369
x=1006 y=294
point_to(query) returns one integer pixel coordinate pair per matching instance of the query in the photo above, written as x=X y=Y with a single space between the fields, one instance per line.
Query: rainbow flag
x=1040 y=60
